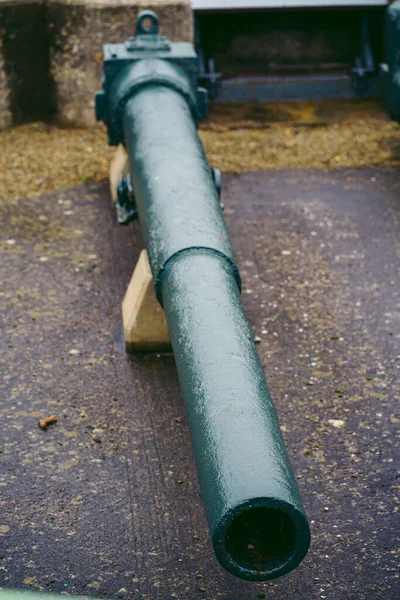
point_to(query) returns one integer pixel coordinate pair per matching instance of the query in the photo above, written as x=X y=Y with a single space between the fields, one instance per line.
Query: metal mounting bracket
x=126 y=204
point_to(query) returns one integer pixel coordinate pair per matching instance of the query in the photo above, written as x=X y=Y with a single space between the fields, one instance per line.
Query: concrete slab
x=106 y=502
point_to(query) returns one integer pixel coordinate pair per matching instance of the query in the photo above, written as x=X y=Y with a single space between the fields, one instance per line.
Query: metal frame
x=212 y=5
x=357 y=83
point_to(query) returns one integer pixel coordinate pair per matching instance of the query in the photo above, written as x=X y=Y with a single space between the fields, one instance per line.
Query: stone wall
x=63 y=78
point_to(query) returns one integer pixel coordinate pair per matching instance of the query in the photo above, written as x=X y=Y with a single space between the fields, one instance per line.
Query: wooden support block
x=119 y=166
x=145 y=325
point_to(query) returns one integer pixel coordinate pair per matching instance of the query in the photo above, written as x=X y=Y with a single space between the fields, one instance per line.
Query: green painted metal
x=390 y=70
x=141 y=50
x=257 y=522
x=176 y=197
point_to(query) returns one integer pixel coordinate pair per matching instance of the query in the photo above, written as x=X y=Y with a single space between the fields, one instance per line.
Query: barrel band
x=163 y=272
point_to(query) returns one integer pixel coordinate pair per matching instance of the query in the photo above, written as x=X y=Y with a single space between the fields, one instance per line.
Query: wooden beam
x=145 y=325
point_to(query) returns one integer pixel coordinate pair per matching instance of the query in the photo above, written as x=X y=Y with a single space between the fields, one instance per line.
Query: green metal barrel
x=257 y=522
x=256 y=519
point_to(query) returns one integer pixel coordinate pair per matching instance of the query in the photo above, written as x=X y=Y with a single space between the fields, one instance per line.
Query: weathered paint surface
x=238 y=446
x=176 y=197
x=223 y=385
x=389 y=71
x=317 y=253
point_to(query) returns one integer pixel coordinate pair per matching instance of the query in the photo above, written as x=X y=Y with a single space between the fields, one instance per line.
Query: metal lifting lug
x=146 y=34
x=126 y=204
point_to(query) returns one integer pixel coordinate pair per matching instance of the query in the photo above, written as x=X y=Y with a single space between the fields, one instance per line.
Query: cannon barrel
x=257 y=522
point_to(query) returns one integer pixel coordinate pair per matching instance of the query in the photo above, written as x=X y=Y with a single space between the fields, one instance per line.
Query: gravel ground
x=106 y=502
x=39 y=158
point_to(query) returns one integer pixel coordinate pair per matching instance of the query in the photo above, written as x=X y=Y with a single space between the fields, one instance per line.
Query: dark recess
x=261 y=538
x=26 y=54
x=259 y=43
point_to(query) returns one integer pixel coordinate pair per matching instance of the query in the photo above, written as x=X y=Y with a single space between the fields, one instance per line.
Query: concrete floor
x=106 y=502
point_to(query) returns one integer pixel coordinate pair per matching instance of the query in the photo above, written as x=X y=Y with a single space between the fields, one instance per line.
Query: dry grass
x=38 y=158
